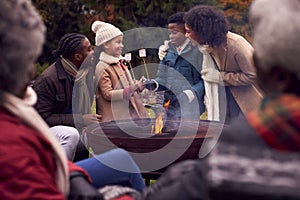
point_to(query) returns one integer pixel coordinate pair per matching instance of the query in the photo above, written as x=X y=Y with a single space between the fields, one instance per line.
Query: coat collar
x=186 y=47
x=61 y=73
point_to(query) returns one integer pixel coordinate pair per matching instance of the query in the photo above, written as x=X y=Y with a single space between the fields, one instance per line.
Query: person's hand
x=190 y=95
x=141 y=83
x=138 y=85
x=88 y=119
x=211 y=75
x=162 y=51
x=80 y=188
x=187 y=96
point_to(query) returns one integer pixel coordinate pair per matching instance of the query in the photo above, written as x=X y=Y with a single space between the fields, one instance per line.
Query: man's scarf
x=69 y=67
x=23 y=109
x=278 y=122
x=82 y=93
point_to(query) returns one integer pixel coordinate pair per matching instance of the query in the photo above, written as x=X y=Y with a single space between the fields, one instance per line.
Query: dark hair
x=177 y=18
x=68 y=45
x=209 y=23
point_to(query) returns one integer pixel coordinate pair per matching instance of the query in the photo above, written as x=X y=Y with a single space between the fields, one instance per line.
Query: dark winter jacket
x=54 y=90
x=182 y=72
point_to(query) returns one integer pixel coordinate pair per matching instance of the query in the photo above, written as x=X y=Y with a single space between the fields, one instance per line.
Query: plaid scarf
x=278 y=122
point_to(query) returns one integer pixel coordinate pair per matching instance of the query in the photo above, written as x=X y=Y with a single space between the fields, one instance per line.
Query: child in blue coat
x=179 y=72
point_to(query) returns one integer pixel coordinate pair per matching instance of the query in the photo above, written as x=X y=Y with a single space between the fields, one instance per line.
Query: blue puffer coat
x=177 y=73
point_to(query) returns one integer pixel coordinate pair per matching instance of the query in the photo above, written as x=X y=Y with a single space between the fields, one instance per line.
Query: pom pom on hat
x=104 y=32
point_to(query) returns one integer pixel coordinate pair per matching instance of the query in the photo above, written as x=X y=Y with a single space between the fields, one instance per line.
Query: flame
x=167 y=104
x=159 y=123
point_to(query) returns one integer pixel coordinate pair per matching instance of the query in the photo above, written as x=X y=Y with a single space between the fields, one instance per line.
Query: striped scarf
x=278 y=122
x=82 y=94
x=69 y=67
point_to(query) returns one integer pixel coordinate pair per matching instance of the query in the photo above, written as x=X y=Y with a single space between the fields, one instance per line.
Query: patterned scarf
x=278 y=122
x=69 y=67
x=82 y=98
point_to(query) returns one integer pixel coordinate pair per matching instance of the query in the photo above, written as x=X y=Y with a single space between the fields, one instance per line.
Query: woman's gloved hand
x=170 y=176
x=211 y=75
x=81 y=189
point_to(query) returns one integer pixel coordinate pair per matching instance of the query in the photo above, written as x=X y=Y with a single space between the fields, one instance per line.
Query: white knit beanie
x=104 y=32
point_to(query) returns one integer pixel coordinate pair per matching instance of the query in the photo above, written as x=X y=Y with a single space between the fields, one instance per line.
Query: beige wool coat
x=234 y=60
x=109 y=94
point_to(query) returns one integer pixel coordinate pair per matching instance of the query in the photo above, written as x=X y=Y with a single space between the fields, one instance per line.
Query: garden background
x=64 y=16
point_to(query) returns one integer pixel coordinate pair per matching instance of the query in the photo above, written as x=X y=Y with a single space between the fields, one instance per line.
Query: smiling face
x=195 y=39
x=176 y=33
x=114 y=47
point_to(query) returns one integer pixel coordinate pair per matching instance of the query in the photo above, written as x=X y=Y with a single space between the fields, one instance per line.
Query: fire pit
x=179 y=140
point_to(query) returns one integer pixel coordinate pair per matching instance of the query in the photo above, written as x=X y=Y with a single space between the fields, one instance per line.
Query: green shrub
x=40 y=68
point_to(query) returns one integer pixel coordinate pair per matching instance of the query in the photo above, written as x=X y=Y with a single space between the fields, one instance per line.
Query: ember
x=167 y=104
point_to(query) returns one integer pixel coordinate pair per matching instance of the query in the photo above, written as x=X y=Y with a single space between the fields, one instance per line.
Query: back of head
x=68 y=45
x=104 y=32
x=209 y=23
x=277 y=34
x=177 y=18
x=21 y=38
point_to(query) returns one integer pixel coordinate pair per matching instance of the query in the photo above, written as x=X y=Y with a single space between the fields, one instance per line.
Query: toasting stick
x=142 y=54
x=128 y=59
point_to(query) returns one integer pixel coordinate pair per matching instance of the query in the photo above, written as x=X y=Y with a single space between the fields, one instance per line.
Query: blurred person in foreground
x=33 y=164
x=276 y=124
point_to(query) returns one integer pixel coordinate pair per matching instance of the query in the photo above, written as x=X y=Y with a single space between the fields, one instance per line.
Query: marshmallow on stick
x=142 y=54
x=128 y=59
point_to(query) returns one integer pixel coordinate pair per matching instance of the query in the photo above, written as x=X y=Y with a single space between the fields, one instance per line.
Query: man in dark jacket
x=57 y=104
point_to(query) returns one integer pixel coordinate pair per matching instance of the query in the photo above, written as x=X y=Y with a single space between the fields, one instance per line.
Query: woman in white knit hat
x=117 y=93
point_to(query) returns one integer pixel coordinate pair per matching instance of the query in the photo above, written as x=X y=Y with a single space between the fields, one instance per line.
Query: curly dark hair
x=177 y=18
x=209 y=23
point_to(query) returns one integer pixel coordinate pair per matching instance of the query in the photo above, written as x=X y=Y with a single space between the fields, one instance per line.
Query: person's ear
x=78 y=57
x=105 y=45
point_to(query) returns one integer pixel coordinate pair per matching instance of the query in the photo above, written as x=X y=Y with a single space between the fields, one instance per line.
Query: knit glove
x=137 y=86
x=170 y=177
x=81 y=189
x=140 y=84
x=162 y=51
x=211 y=75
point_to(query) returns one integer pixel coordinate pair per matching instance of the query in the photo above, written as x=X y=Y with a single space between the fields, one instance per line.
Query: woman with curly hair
x=227 y=62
